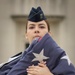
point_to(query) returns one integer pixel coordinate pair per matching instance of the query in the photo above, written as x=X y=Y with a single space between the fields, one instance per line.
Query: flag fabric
x=47 y=50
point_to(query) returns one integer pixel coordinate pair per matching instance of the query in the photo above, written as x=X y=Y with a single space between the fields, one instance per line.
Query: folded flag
x=47 y=50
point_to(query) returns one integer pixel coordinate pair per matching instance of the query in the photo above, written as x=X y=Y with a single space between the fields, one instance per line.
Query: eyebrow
x=38 y=24
x=41 y=24
x=31 y=24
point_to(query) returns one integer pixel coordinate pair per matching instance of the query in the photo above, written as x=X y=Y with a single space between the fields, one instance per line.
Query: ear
x=26 y=36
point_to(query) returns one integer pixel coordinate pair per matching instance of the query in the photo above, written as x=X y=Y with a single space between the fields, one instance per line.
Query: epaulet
x=11 y=59
x=17 y=54
x=14 y=57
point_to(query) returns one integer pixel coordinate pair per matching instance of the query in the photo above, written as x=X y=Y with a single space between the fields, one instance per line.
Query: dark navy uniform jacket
x=57 y=62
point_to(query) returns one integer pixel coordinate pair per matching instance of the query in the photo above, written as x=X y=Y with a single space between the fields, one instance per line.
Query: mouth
x=37 y=37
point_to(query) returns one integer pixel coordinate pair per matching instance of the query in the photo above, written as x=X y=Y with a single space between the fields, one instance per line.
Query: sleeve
x=6 y=67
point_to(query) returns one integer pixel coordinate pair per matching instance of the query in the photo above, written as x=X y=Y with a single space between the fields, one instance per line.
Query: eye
x=42 y=27
x=31 y=27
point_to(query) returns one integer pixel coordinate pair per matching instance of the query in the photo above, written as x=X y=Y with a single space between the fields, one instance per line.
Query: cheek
x=44 y=32
x=29 y=35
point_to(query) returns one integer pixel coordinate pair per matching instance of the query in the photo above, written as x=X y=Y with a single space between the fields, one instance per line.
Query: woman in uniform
x=43 y=56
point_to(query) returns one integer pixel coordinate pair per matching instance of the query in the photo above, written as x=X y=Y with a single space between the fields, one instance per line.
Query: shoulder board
x=11 y=59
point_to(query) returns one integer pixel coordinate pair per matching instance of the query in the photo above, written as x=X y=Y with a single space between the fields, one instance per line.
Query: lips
x=38 y=37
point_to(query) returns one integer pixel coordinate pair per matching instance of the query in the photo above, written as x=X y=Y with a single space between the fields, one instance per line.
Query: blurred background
x=13 y=15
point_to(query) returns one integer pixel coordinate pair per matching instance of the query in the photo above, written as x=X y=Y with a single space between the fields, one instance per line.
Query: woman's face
x=36 y=29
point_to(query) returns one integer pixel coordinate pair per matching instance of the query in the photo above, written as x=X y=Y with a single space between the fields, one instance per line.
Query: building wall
x=67 y=32
x=70 y=29
x=7 y=31
x=12 y=38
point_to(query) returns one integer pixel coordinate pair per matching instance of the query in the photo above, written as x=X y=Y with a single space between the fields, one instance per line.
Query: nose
x=36 y=30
